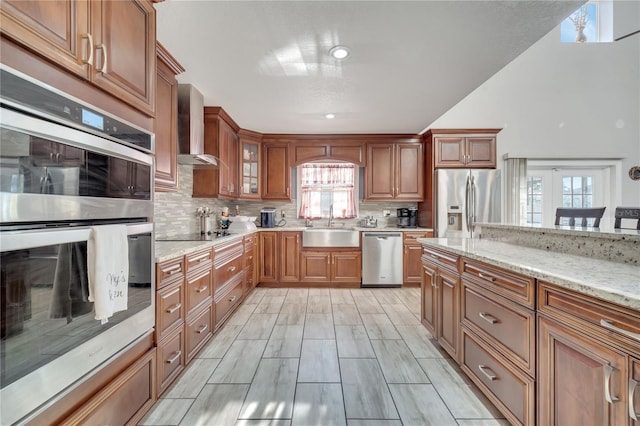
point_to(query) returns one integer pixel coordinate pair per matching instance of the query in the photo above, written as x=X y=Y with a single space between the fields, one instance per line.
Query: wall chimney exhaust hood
x=191 y=128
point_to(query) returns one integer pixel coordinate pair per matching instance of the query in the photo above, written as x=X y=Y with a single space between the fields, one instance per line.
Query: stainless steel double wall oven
x=65 y=167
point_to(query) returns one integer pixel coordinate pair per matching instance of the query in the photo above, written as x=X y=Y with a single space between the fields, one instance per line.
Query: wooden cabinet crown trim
x=431 y=132
x=219 y=112
x=168 y=59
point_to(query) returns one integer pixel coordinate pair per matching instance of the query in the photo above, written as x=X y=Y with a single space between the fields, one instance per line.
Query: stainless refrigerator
x=465 y=197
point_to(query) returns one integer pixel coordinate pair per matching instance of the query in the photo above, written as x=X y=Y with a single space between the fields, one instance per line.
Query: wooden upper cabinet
x=305 y=150
x=250 y=165
x=276 y=173
x=228 y=159
x=58 y=30
x=124 y=36
x=220 y=140
x=166 y=121
x=456 y=148
x=110 y=43
x=395 y=172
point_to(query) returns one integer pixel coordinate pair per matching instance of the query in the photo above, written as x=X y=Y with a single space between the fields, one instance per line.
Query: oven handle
x=19 y=240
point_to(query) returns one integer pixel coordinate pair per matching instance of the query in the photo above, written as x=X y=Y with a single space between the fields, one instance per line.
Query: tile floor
x=356 y=357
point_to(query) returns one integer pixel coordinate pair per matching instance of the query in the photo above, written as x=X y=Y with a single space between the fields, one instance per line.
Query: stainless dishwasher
x=381 y=259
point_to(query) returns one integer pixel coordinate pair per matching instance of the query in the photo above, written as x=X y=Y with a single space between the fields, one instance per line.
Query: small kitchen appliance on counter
x=268 y=217
x=407 y=217
x=242 y=224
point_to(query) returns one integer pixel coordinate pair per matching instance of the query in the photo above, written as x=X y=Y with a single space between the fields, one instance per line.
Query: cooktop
x=212 y=235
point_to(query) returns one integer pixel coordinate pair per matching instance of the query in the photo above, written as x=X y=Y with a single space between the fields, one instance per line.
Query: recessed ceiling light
x=329 y=116
x=339 y=52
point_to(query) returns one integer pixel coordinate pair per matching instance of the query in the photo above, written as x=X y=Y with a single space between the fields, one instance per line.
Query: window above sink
x=328 y=189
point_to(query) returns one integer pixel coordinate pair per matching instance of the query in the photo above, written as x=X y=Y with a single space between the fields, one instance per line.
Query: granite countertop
x=611 y=281
x=167 y=250
x=604 y=232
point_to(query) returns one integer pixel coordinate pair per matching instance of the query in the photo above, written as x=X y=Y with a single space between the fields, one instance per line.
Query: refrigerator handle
x=467 y=203
x=473 y=203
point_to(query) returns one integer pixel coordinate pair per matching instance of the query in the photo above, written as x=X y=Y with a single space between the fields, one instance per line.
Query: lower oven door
x=49 y=337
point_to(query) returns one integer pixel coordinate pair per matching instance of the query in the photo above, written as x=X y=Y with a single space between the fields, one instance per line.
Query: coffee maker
x=407 y=217
x=268 y=217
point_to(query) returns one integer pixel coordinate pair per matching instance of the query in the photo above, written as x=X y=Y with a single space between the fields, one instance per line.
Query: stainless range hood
x=191 y=128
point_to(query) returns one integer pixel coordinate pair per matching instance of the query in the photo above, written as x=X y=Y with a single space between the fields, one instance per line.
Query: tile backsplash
x=175 y=212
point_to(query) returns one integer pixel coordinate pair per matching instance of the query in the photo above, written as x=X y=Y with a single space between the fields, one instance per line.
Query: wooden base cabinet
x=512 y=391
x=588 y=352
x=330 y=267
x=441 y=299
x=581 y=380
x=125 y=400
x=411 y=265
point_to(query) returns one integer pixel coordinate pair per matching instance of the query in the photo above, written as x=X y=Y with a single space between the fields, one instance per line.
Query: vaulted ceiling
x=267 y=64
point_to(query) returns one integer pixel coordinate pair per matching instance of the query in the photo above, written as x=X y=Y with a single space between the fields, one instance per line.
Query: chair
x=572 y=214
x=627 y=213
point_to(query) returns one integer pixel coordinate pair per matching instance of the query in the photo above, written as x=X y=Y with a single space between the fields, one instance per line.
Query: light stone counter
x=167 y=250
x=615 y=282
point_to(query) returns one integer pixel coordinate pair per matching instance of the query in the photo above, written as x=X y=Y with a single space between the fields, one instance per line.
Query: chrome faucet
x=330 y=215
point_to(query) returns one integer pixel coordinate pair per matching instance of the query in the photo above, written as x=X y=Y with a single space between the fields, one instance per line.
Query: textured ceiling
x=266 y=63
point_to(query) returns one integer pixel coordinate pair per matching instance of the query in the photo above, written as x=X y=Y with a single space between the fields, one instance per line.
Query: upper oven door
x=50 y=172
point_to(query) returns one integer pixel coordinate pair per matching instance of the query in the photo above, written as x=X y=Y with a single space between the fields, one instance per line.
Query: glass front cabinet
x=249 y=165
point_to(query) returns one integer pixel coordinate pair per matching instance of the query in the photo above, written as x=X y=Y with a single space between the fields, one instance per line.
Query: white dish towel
x=108 y=270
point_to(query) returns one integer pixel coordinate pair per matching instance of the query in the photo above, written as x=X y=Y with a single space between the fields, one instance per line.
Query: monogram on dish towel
x=108 y=270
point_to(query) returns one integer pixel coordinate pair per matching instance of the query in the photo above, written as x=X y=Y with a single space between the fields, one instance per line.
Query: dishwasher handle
x=381 y=235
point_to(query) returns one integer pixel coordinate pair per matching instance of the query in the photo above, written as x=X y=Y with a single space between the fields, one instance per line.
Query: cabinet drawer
x=198 y=289
x=410 y=238
x=231 y=297
x=248 y=280
x=249 y=258
x=124 y=400
x=513 y=286
x=594 y=316
x=169 y=308
x=225 y=272
x=198 y=331
x=250 y=241
x=505 y=324
x=171 y=359
x=199 y=260
x=169 y=271
x=509 y=389
x=441 y=258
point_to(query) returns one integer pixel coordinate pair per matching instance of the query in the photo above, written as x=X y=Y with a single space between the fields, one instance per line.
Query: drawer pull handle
x=608 y=371
x=488 y=318
x=486 y=277
x=174 y=358
x=173 y=308
x=434 y=281
x=250 y=257
x=233 y=299
x=231 y=268
x=201 y=258
x=173 y=269
x=632 y=387
x=610 y=326
x=487 y=372
x=201 y=289
x=202 y=329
